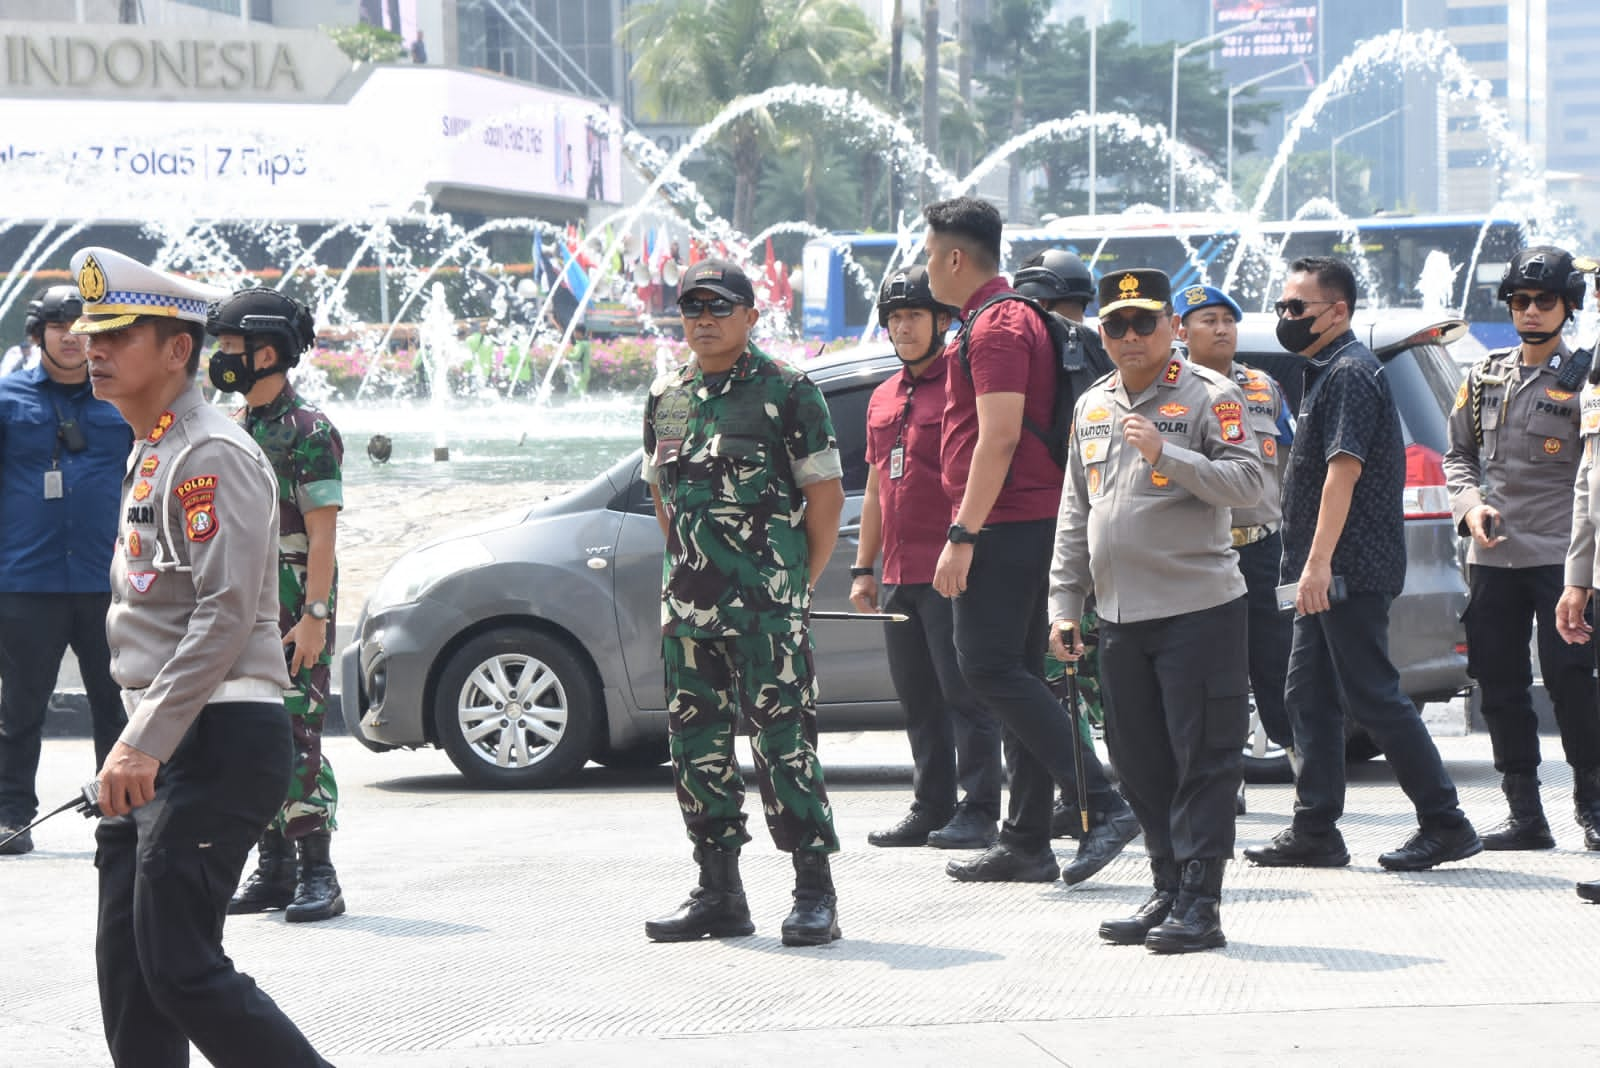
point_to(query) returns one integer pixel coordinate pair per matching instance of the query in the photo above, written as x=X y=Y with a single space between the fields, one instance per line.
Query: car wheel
x=636 y=757
x=1265 y=761
x=516 y=709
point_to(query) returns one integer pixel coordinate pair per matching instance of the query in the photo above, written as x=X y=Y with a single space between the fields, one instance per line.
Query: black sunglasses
x=1144 y=324
x=1297 y=307
x=719 y=307
x=1518 y=302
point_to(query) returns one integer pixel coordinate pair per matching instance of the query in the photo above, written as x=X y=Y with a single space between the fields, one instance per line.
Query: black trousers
x=1001 y=631
x=955 y=741
x=1177 y=715
x=166 y=874
x=1271 y=633
x=1500 y=616
x=1340 y=666
x=36 y=629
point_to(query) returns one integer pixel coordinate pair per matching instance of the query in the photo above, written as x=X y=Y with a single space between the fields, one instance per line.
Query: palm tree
x=697 y=56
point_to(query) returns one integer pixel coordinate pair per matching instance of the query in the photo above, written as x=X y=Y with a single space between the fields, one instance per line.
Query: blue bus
x=1397 y=258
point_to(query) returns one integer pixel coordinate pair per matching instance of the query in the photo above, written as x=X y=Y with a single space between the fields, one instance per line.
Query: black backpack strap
x=966 y=327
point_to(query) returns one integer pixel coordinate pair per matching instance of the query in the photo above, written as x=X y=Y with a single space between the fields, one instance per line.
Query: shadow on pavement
x=1328 y=958
x=896 y=956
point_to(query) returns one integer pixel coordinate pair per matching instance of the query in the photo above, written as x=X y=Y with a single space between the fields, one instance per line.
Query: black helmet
x=1544 y=267
x=1055 y=274
x=258 y=312
x=907 y=288
x=53 y=304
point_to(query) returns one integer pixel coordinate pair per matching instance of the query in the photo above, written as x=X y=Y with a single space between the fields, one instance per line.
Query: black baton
x=877 y=617
x=1069 y=633
x=87 y=802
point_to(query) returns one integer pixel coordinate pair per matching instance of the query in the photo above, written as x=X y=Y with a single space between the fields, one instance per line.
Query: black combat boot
x=1590 y=891
x=1195 y=922
x=1131 y=930
x=316 y=895
x=1586 y=804
x=814 y=921
x=1525 y=828
x=271 y=885
x=716 y=908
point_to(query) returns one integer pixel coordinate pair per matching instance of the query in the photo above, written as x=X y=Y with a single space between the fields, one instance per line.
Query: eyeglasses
x=1144 y=324
x=1297 y=307
x=1518 y=302
x=719 y=307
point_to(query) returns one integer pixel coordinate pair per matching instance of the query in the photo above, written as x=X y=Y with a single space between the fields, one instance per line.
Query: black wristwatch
x=960 y=535
x=861 y=572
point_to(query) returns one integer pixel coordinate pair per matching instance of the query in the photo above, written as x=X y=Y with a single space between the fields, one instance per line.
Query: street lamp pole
x=1178 y=52
x=1333 y=152
x=1234 y=91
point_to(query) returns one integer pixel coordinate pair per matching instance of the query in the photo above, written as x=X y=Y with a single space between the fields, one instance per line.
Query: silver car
x=530 y=644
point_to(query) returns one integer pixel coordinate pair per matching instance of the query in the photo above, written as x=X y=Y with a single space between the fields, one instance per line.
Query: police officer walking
x=1208 y=323
x=1162 y=452
x=740 y=456
x=1514 y=453
x=261 y=334
x=204 y=761
x=955 y=741
x=61 y=457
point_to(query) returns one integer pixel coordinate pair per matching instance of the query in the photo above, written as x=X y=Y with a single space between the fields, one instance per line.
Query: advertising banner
x=1285 y=32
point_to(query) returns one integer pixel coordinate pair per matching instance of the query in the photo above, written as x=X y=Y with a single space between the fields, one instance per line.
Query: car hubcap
x=512 y=710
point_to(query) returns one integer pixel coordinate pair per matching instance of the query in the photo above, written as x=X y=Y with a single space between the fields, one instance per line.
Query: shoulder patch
x=198 y=496
x=1230 y=418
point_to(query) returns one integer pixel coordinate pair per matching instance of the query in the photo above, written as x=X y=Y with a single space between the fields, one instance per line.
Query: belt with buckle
x=1243 y=536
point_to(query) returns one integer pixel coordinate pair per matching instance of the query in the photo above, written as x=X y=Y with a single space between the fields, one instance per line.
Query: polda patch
x=1230 y=417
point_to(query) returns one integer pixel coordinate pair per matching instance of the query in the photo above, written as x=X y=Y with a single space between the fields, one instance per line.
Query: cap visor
x=725 y=294
x=103 y=324
x=1142 y=305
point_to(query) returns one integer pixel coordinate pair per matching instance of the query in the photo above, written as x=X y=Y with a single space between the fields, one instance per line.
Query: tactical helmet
x=907 y=288
x=258 y=312
x=1055 y=274
x=1547 y=268
x=53 y=304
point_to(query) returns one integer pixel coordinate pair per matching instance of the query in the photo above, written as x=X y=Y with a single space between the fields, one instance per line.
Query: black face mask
x=231 y=372
x=1296 y=335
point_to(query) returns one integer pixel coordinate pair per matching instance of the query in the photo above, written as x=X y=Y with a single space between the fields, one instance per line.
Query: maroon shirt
x=916 y=513
x=1010 y=352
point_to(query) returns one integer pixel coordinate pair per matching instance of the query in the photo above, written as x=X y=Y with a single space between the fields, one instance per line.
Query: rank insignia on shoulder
x=1230 y=417
x=163 y=425
x=1173 y=372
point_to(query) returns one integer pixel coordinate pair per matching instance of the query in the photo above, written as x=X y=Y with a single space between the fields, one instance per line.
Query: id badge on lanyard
x=897 y=455
x=897 y=461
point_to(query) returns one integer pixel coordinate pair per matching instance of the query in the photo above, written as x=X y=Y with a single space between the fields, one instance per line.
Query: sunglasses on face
x=1519 y=302
x=1144 y=324
x=1297 y=307
x=719 y=307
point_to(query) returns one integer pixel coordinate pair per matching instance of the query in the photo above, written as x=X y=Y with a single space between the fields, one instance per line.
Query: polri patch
x=1230 y=417
x=198 y=496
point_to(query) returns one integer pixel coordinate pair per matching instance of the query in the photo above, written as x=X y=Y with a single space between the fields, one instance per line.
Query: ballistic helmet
x=53 y=304
x=260 y=314
x=1055 y=274
x=907 y=288
x=1546 y=268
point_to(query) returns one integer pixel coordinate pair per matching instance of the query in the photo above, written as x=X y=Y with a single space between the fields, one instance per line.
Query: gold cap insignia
x=1129 y=287
x=91 y=281
x=1194 y=295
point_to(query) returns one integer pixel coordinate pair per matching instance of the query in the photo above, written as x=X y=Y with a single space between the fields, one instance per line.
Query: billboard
x=1284 y=34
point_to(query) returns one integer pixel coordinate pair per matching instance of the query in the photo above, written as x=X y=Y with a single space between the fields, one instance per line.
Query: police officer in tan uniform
x=1163 y=452
x=1208 y=322
x=204 y=761
x=1513 y=456
x=1583 y=562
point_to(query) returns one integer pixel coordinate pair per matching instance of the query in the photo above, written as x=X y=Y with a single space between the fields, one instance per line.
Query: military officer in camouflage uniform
x=740 y=456
x=204 y=760
x=1208 y=322
x=1163 y=452
x=260 y=335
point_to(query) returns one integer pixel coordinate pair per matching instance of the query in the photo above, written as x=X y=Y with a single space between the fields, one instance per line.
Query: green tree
x=694 y=57
x=1308 y=179
x=365 y=43
x=1047 y=69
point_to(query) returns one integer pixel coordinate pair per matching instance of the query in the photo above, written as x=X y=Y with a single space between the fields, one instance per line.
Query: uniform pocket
x=1550 y=438
x=1227 y=713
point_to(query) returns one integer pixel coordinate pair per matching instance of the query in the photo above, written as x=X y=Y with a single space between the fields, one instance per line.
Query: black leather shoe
x=1065 y=820
x=1299 y=849
x=912 y=830
x=967 y=829
x=22 y=843
x=1525 y=827
x=1002 y=863
x=1109 y=836
x=1590 y=891
x=1432 y=846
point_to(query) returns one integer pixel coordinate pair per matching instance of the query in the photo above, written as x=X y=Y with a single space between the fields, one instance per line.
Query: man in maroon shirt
x=1005 y=490
x=955 y=741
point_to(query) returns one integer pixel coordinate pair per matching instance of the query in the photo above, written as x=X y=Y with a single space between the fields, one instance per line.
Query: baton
x=879 y=617
x=1071 y=669
x=87 y=802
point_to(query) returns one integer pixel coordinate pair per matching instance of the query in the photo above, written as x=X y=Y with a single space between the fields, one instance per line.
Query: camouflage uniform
x=306 y=452
x=729 y=459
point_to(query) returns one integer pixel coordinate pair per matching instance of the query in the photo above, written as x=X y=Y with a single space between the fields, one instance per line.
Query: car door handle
x=850 y=530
